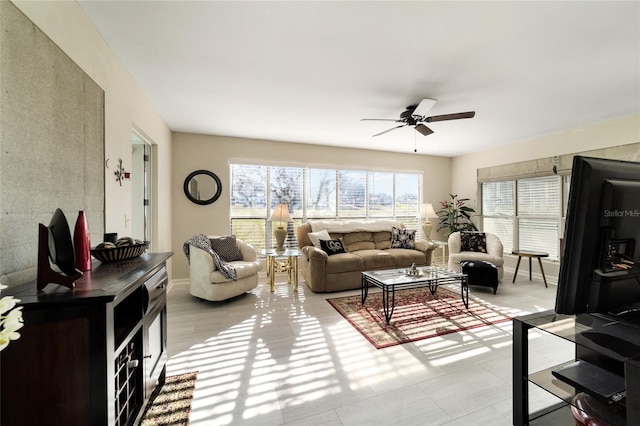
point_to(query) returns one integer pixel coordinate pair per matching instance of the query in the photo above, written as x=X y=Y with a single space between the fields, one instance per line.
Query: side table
x=530 y=254
x=442 y=245
x=285 y=261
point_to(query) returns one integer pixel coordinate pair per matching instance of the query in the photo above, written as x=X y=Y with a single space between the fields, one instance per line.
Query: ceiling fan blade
x=423 y=129
x=388 y=130
x=379 y=119
x=424 y=107
x=455 y=116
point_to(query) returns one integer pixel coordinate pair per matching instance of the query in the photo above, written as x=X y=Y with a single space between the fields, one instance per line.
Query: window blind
x=312 y=193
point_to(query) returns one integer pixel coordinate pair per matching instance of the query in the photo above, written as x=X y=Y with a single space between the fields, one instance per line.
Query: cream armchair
x=494 y=253
x=207 y=282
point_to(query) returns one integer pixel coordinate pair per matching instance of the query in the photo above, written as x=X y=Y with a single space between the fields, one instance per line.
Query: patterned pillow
x=315 y=237
x=473 y=241
x=332 y=247
x=226 y=248
x=403 y=238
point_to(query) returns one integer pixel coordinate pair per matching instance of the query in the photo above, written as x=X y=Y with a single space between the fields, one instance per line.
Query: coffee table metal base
x=389 y=288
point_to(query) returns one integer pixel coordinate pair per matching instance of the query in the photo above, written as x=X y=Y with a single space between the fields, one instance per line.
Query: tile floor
x=289 y=358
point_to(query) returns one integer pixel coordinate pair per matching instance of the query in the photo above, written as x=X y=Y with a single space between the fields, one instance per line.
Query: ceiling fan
x=416 y=115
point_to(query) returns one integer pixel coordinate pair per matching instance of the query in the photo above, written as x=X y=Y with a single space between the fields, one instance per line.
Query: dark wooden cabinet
x=91 y=355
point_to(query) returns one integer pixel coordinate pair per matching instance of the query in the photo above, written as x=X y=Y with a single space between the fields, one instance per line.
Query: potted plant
x=455 y=216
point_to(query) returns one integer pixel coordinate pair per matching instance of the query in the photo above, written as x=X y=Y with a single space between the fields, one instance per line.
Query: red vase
x=82 y=243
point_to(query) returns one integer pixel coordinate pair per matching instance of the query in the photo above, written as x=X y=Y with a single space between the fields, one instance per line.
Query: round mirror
x=202 y=187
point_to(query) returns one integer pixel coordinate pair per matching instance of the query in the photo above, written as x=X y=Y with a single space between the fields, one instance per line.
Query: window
x=498 y=211
x=249 y=196
x=530 y=220
x=539 y=214
x=321 y=192
x=312 y=193
x=352 y=187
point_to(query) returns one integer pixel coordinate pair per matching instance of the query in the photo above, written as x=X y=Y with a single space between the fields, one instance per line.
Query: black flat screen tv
x=599 y=265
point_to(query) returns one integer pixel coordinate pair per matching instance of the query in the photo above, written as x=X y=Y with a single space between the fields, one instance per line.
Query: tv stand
x=605 y=347
x=629 y=314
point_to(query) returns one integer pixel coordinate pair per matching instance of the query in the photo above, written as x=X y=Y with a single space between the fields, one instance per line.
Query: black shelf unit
x=615 y=362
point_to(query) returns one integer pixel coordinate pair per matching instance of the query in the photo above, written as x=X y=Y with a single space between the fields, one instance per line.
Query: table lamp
x=427 y=213
x=280 y=214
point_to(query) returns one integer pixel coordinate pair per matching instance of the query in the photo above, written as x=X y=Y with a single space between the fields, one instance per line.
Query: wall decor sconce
x=120 y=173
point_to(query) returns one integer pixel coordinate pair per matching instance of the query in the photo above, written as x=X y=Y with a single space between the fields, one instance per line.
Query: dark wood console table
x=91 y=355
x=609 y=345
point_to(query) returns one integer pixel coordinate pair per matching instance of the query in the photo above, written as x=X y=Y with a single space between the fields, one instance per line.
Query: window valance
x=545 y=166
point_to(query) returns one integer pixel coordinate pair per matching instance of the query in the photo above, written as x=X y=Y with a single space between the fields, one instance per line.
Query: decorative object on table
x=172 y=405
x=280 y=214
x=427 y=212
x=413 y=271
x=455 y=216
x=82 y=243
x=55 y=245
x=125 y=248
x=418 y=315
x=10 y=319
x=202 y=187
x=120 y=172
x=110 y=237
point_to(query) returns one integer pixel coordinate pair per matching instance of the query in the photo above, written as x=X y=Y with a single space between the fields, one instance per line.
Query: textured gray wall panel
x=51 y=140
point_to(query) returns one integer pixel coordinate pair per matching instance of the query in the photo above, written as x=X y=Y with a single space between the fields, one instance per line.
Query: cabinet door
x=56 y=366
x=155 y=348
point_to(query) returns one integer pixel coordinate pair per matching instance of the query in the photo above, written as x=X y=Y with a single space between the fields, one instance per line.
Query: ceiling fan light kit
x=416 y=116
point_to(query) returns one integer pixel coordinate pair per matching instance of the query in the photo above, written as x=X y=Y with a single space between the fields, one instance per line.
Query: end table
x=284 y=261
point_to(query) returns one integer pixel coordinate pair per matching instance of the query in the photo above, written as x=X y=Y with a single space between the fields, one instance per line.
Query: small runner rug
x=417 y=315
x=172 y=404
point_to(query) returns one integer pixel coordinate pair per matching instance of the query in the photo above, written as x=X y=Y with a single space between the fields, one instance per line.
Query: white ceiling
x=308 y=71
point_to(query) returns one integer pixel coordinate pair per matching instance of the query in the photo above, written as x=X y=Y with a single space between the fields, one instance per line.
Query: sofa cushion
x=404 y=258
x=382 y=240
x=375 y=259
x=332 y=247
x=355 y=241
x=315 y=237
x=226 y=247
x=473 y=241
x=344 y=262
x=403 y=238
x=243 y=269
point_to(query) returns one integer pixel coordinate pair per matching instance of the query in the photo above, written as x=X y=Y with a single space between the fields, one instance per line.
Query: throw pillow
x=332 y=247
x=403 y=238
x=315 y=237
x=473 y=241
x=226 y=248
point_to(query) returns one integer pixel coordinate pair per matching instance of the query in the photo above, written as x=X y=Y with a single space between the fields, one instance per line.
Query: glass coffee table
x=431 y=277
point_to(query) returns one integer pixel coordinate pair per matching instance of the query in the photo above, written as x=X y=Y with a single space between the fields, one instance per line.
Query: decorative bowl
x=107 y=255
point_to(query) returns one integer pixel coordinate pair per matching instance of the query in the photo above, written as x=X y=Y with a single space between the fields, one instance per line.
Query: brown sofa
x=367 y=246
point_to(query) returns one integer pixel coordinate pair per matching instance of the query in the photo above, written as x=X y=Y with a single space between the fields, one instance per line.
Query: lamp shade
x=427 y=211
x=281 y=214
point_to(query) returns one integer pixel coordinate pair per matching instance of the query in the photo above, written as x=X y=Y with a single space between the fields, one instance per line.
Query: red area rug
x=417 y=315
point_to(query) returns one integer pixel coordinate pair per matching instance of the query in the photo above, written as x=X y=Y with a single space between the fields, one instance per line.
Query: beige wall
x=126 y=107
x=616 y=132
x=193 y=152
